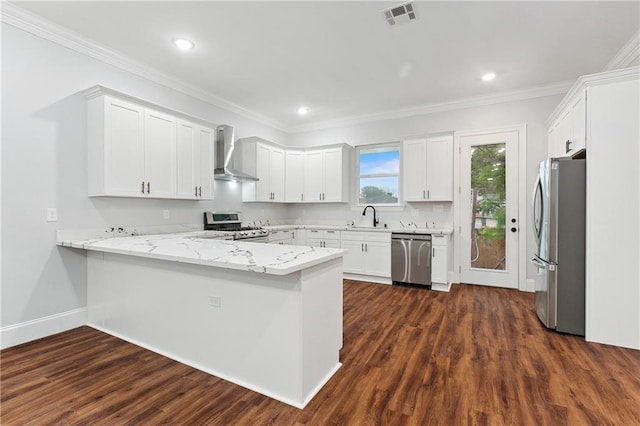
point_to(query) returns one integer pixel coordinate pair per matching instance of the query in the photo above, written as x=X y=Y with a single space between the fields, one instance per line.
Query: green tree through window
x=379 y=171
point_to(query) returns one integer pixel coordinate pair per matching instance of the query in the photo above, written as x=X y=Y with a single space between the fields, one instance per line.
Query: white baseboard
x=27 y=331
x=367 y=278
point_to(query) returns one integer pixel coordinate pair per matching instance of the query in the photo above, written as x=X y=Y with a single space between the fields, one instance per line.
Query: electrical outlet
x=52 y=214
x=415 y=212
x=166 y=214
x=215 y=301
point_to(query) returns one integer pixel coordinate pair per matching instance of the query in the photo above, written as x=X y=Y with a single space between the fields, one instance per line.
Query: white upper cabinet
x=160 y=154
x=313 y=176
x=566 y=136
x=428 y=169
x=195 y=162
x=116 y=148
x=414 y=154
x=294 y=176
x=206 y=157
x=265 y=162
x=138 y=151
x=326 y=175
x=132 y=150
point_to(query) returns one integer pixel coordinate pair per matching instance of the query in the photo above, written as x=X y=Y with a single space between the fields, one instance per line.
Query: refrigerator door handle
x=536 y=188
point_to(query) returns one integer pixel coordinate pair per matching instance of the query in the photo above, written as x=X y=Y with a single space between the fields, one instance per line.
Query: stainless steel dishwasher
x=411 y=258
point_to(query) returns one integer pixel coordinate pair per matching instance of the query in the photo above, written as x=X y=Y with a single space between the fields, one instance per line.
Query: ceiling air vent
x=399 y=14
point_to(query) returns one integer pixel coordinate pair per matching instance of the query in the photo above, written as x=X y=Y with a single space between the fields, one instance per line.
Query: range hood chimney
x=224 y=149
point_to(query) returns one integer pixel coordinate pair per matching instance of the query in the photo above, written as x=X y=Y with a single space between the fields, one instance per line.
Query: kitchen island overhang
x=269 y=322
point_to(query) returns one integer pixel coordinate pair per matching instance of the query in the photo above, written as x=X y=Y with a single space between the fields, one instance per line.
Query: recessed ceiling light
x=489 y=76
x=303 y=110
x=183 y=44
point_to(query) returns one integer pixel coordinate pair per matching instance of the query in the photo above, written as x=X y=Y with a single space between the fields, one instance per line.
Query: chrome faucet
x=375 y=221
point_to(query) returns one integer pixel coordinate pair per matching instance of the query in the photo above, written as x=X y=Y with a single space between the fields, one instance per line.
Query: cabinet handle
x=148 y=187
x=143 y=187
x=433 y=252
x=567 y=146
x=366 y=247
x=302 y=197
x=428 y=196
x=196 y=191
x=361 y=246
x=323 y=196
x=200 y=192
x=424 y=196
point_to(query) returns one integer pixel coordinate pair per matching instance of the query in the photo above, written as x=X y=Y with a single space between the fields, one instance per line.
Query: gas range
x=230 y=222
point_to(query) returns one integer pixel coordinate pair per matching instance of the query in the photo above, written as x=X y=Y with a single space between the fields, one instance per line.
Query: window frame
x=397 y=145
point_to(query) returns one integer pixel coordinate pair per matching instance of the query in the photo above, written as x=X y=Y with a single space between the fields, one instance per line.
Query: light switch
x=52 y=214
x=166 y=214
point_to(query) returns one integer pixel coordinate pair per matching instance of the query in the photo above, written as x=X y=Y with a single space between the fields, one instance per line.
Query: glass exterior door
x=489 y=209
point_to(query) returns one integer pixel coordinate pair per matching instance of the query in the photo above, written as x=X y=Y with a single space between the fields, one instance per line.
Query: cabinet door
x=332 y=191
x=440 y=168
x=353 y=261
x=263 y=172
x=124 y=148
x=332 y=243
x=414 y=156
x=314 y=242
x=313 y=176
x=205 y=156
x=160 y=154
x=439 y=264
x=277 y=174
x=187 y=160
x=578 y=125
x=377 y=259
x=294 y=176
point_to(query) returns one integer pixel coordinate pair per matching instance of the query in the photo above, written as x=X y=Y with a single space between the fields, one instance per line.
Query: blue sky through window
x=379 y=168
x=376 y=163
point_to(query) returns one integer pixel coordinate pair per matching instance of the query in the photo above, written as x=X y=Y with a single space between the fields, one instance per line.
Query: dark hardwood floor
x=476 y=355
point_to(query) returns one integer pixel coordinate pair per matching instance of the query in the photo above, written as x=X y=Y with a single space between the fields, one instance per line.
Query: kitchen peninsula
x=267 y=317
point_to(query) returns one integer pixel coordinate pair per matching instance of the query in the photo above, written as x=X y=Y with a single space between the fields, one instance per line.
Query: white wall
x=532 y=112
x=44 y=164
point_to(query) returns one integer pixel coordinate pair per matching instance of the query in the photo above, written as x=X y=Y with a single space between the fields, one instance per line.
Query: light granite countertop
x=406 y=230
x=210 y=249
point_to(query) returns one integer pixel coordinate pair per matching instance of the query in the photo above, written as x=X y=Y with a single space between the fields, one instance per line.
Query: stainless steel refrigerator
x=559 y=227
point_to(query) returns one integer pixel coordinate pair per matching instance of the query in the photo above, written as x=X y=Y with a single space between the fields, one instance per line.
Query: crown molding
x=590 y=80
x=33 y=24
x=625 y=57
x=471 y=102
x=17 y=17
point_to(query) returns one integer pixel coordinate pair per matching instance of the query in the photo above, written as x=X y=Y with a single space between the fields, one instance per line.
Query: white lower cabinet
x=369 y=253
x=323 y=238
x=440 y=257
x=282 y=237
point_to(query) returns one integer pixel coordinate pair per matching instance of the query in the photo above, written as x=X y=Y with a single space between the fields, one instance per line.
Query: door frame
x=521 y=130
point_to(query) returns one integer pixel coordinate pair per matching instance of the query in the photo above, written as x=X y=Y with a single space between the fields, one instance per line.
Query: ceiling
x=342 y=60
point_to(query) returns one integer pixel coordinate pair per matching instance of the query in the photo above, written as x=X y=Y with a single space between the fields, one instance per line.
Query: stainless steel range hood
x=224 y=149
